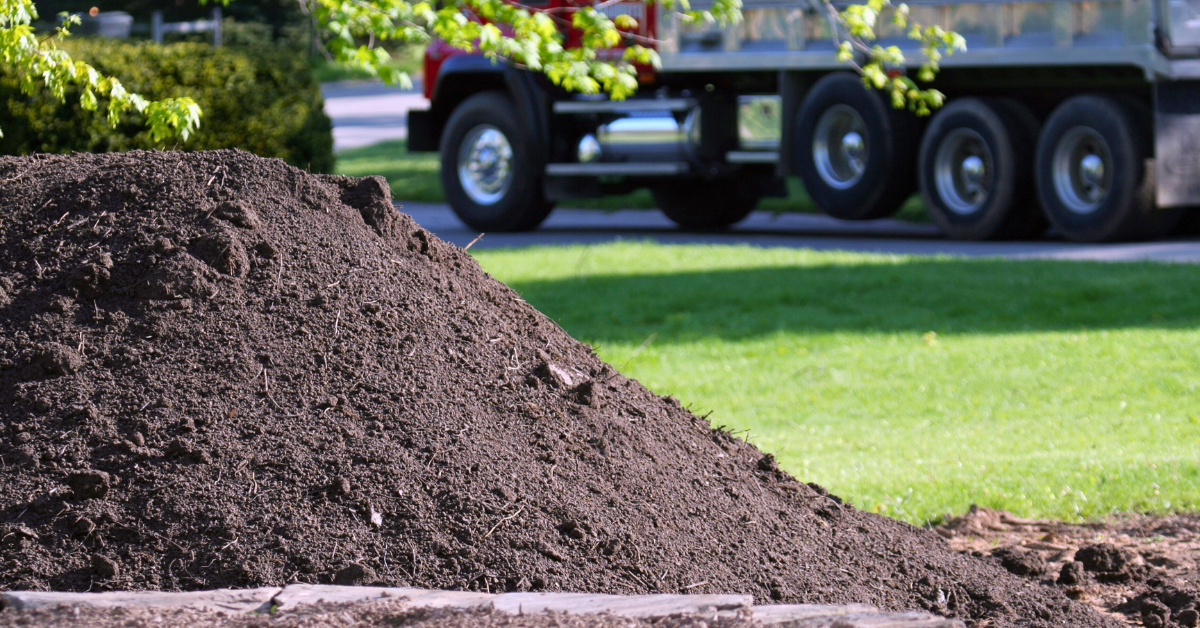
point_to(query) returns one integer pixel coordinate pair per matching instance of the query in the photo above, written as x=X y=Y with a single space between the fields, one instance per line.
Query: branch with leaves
x=854 y=30
x=509 y=31
x=505 y=30
x=40 y=64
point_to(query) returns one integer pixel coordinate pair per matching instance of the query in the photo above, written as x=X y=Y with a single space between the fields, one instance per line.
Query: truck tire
x=976 y=171
x=489 y=167
x=1093 y=175
x=855 y=153
x=704 y=205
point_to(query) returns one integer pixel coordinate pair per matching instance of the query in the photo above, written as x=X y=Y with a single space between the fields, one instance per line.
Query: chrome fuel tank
x=649 y=136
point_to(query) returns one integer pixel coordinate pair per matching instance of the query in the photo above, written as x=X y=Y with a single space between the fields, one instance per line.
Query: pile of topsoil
x=220 y=371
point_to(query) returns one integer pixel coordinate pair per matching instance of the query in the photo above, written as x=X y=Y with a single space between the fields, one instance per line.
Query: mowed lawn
x=910 y=386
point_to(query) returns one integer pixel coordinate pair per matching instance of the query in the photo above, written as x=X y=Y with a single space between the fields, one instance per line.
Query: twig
x=489 y=532
x=472 y=242
x=335 y=323
x=645 y=343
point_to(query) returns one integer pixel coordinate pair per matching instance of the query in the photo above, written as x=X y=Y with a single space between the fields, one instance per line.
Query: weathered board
x=638 y=606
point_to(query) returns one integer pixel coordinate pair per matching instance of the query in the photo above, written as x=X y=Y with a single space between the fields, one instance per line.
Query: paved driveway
x=364 y=112
x=580 y=226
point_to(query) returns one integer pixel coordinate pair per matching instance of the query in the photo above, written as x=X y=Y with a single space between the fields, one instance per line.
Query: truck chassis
x=1080 y=114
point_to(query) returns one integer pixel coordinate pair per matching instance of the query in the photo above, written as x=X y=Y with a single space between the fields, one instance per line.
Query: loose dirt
x=1141 y=569
x=220 y=371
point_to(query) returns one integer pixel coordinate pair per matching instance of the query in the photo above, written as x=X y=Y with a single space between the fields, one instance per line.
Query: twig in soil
x=335 y=323
x=693 y=586
x=472 y=242
x=489 y=532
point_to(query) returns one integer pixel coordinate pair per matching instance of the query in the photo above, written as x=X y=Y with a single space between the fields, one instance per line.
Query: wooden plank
x=644 y=606
x=783 y=613
x=296 y=594
x=228 y=600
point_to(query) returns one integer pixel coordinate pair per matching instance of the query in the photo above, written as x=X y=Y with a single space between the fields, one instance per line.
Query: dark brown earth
x=1140 y=568
x=346 y=615
x=220 y=371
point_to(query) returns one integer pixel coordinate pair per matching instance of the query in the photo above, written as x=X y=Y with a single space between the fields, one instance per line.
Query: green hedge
x=260 y=99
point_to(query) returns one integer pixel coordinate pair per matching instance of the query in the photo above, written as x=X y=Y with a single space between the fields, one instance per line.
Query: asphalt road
x=581 y=226
x=364 y=113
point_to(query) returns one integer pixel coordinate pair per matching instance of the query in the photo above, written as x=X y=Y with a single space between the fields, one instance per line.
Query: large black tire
x=704 y=205
x=1094 y=177
x=504 y=191
x=873 y=182
x=976 y=171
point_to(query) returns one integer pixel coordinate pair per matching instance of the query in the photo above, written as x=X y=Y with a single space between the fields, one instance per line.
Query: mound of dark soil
x=220 y=371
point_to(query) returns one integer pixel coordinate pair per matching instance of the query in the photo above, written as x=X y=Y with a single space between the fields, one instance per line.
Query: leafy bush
x=260 y=99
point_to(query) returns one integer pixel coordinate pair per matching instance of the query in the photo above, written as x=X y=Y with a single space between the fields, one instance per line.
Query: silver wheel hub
x=840 y=147
x=1082 y=170
x=485 y=164
x=962 y=171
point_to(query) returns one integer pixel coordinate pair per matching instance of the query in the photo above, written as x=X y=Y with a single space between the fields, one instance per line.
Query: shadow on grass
x=945 y=296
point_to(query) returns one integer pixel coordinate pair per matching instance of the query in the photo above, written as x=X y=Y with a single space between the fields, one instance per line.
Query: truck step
x=619 y=169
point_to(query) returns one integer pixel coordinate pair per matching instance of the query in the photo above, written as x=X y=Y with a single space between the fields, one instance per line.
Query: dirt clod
x=239 y=213
x=1020 y=562
x=105 y=567
x=1072 y=573
x=89 y=484
x=1102 y=557
x=354 y=574
x=370 y=446
x=55 y=359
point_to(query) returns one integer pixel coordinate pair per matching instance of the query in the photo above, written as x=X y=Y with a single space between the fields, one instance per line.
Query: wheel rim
x=963 y=171
x=1082 y=170
x=485 y=164
x=840 y=147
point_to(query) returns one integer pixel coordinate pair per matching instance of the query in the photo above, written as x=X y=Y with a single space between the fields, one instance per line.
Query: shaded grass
x=910 y=386
x=414 y=177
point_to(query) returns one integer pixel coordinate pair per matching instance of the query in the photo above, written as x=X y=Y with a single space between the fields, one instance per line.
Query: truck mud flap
x=1177 y=143
x=421 y=136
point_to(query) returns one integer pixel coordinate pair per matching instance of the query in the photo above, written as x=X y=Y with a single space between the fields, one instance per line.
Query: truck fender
x=462 y=76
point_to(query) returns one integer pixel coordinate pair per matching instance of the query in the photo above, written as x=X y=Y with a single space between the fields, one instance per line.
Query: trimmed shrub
x=261 y=99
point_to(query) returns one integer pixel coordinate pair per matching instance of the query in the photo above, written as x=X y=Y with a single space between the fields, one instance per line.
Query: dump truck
x=1083 y=115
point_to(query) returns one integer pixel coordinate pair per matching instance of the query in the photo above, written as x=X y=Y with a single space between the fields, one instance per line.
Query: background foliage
x=261 y=99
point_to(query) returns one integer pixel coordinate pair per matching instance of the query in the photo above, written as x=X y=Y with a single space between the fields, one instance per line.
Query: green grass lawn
x=911 y=386
x=413 y=177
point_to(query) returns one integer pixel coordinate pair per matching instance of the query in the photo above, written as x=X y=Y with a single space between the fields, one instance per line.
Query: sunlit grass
x=910 y=386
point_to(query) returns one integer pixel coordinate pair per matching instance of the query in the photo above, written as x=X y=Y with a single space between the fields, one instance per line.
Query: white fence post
x=216 y=26
x=156 y=27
